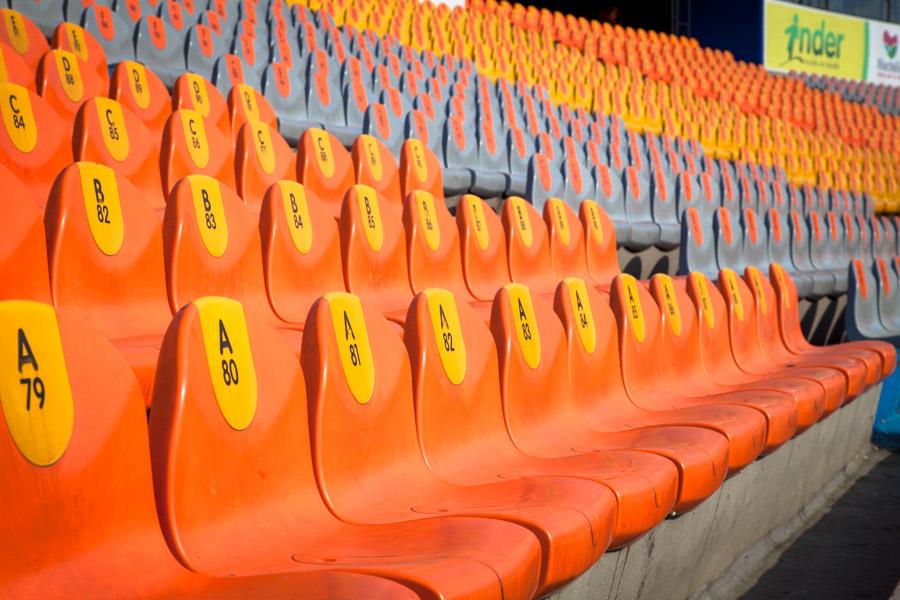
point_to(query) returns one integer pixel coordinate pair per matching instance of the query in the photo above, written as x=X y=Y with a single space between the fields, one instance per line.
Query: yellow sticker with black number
x=102 y=206
x=418 y=159
x=77 y=40
x=34 y=384
x=373 y=156
x=210 y=212
x=197 y=90
x=593 y=211
x=69 y=74
x=352 y=339
x=371 y=216
x=522 y=222
x=112 y=127
x=633 y=306
x=673 y=312
x=447 y=333
x=524 y=321
x=734 y=292
x=428 y=219
x=322 y=150
x=18 y=118
x=296 y=211
x=582 y=313
x=758 y=290
x=195 y=137
x=137 y=81
x=476 y=211
x=15 y=30
x=702 y=287
x=262 y=142
x=230 y=359
x=558 y=214
x=248 y=101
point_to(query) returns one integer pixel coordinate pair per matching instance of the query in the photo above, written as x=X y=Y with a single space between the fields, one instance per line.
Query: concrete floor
x=852 y=551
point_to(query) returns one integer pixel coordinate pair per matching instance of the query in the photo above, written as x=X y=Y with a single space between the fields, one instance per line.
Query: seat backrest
x=195 y=92
x=818 y=241
x=212 y=246
x=106 y=132
x=697 y=244
x=740 y=304
x=711 y=315
x=34 y=143
x=324 y=167
x=420 y=170
x=73 y=38
x=862 y=318
x=23 y=36
x=679 y=330
x=16 y=70
x=729 y=243
x=373 y=250
x=261 y=157
x=527 y=246
x=885 y=281
x=566 y=238
x=432 y=246
x=754 y=251
x=191 y=146
x=230 y=395
x=543 y=180
x=105 y=252
x=800 y=245
x=246 y=105
x=482 y=247
x=23 y=247
x=137 y=88
x=376 y=167
x=600 y=243
x=299 y=235
x=361 y=414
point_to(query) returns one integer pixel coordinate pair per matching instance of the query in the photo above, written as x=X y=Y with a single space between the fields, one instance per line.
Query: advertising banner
x=883 y=57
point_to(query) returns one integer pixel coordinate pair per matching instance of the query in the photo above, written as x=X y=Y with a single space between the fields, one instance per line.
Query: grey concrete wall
x=704 y=553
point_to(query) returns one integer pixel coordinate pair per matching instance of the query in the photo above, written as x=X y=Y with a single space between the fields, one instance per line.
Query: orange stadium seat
x=462 y=428
x=77 y=383
x=324 y=167
x=191 y=145
x=139 y=90
x=482 y=248
x=261 y=157
x=420 y=170
x=368 y=462
x=376 y=167
x=23 y=247
x=299 y=235
x=23 y=36
x=34 y=144
x=110 y=134
x=247 y=502
x=91 y=56
x=246 y=104
x=528 y=247
x=193 y=92
x=600 y=244
x=14 y=69
x=65 y=83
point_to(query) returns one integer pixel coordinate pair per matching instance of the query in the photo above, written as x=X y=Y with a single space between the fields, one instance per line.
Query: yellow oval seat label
x=323 y=152
x=352 y=339
x=367 y=199
x=522 y=222
x=15 y=30
x=198 y=95
x=230 y=359
x=670 y=300
x=34 y=384
x=296 y=211
x=69 y=74
x=262 y=142
x=209 y=209
x=102 y=206
x=593 y=211
x=581 y=310
x=18 y=118
x=476 y=211
x=448 y=336
x=373 y=156
x=112 y=127
x=759 y=292
x=248 y=101
x=633 y=306
x=138 y=83
x=525 y=322
x=195 y=137
x=431 y=230
x=702 y=287
x=418 y=159
x=734 y=292
x=558 y=214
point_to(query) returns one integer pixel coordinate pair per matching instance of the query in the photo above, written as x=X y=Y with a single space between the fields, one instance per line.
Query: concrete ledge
x=700 y=554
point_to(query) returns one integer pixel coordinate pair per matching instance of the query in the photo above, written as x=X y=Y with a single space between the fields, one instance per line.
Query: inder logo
x=808 y=45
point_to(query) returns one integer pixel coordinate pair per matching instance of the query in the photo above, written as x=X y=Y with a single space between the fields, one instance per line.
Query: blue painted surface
x=886 y=430
x=734 y=26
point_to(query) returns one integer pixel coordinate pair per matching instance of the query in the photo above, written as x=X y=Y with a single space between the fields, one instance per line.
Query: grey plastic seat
x=729 y=241
x=888 y=247
x=778 y=247
x=698 y=251
x=459 y=149
x=489 y=176
x=611 y=198
x=755 y=252
x=543 y=181
x=862 y=318
x=201 y=50
x=578 y=182
x=823 y=282
x=378 y=121
x=114 y=33
x=519 y=149
x=664 y=207
x=46 y=14
x=282 y=88
x=636 y=190
x=887 y=274
x=159 y=46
